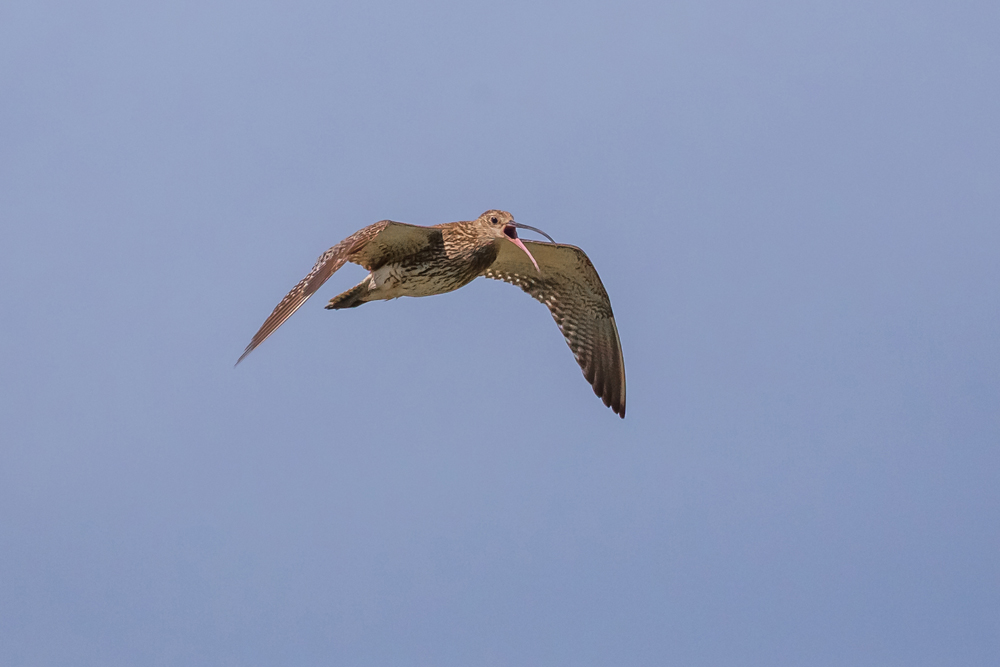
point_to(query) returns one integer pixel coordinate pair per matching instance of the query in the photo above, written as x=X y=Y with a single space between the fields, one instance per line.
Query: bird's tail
x=352 y=298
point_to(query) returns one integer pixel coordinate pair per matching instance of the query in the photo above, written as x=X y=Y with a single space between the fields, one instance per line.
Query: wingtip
x=243 y=356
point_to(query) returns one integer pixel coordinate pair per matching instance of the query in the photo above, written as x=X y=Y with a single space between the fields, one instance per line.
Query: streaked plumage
x=409 y=260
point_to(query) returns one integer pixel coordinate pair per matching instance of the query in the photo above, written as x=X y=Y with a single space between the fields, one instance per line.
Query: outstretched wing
x=569 y=285
x=370 y=247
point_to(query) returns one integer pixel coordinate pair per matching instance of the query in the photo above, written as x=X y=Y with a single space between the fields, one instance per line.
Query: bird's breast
x=423 y=278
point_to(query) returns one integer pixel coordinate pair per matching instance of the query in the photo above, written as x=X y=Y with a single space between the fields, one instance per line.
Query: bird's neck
x=465 y=242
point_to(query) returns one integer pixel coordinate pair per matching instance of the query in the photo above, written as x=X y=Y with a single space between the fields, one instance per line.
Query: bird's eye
x=493 y=220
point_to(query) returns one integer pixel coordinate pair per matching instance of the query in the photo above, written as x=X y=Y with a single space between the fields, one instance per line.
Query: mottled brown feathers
x=371 y=247
x=571 y=289
x=408 y=260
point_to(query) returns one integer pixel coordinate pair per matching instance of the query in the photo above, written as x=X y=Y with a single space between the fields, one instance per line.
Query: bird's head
x=500 y=224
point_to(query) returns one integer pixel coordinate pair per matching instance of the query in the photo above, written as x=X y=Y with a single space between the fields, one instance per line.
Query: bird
x=413 y=260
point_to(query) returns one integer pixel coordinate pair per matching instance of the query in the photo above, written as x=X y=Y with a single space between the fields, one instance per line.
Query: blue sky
x=793 y=207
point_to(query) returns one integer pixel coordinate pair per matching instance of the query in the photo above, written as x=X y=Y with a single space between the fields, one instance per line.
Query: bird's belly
x=394 y=280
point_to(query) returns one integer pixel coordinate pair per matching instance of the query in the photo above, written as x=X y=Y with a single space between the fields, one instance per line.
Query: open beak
x=534 y=229
x=510 y=232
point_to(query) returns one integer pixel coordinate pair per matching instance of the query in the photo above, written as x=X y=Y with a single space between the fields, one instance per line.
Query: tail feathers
x=352 y=298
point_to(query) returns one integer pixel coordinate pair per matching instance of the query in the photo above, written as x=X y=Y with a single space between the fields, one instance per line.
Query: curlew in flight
x=409 y=260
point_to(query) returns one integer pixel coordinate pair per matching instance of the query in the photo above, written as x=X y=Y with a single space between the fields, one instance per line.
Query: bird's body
x=447 y=257
x=409 y=260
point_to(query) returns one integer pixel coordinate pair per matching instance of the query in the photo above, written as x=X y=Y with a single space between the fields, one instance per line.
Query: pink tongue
x=520 y=245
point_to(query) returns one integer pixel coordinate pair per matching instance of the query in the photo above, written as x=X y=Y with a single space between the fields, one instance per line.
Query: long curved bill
x=523 y=247
x=510 y=232
x=534 y=229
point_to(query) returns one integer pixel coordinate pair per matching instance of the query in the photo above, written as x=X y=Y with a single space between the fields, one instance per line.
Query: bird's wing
x=370 y=247
x=569 y=285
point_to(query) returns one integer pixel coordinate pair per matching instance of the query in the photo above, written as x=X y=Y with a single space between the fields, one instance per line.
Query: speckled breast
x=429 y=276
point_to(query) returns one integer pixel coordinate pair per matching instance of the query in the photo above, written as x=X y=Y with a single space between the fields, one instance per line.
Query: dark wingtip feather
x=574 y=294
